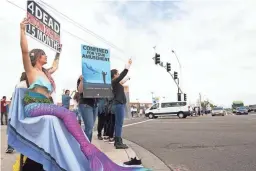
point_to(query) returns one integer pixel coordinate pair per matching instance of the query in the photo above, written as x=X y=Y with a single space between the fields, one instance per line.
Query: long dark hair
x=113 y=73
x=34 y=55
x=76 y=97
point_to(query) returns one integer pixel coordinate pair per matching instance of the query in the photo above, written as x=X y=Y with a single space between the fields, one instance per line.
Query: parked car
x=218 y=111
x=180 y=109
x=252 y=108
x=242 y=111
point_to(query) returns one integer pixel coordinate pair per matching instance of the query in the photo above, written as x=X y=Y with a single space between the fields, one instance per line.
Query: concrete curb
x=149 y=160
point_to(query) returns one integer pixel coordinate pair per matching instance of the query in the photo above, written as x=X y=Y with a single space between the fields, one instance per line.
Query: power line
x=82 y=27
x=75 y=36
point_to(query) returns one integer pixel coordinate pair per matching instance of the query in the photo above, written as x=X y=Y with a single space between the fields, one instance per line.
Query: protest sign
x=42 y=26
x=96 y=72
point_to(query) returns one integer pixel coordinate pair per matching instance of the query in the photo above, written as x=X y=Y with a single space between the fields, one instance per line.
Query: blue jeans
x=119 y=119
x=78 y=115
x=88 y=114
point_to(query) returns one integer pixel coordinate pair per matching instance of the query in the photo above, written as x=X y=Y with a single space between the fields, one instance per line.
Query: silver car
x=218 y=111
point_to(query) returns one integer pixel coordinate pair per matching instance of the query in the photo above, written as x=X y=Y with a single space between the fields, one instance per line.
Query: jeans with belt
x=89 y=115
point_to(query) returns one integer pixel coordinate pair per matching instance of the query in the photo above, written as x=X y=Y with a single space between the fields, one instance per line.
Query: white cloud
x=214 y=41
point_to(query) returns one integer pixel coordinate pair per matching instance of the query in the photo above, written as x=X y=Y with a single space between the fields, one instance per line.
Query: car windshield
x=218 y=108
x=241 y=108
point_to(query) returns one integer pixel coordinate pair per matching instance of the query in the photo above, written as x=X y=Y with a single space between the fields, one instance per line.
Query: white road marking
x=176 y=122
x=136 y=123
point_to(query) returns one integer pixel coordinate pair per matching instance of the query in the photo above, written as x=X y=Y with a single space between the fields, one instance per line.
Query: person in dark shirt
x=119 y=103
x=102 y=113
x=88 y=108
x=110 y=122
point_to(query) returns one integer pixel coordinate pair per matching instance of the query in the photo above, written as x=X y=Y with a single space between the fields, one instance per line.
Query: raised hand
x=60 y=48
x=23 y=24
x=130 y=61
x=81 y=78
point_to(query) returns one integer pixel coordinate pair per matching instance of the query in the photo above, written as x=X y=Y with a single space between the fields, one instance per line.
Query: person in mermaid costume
x=48 y=135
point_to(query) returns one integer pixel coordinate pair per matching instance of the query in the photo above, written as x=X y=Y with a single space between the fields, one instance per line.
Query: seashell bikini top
x=40 y=81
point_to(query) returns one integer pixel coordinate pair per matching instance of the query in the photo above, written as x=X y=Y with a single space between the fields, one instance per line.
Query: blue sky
x=139 y=14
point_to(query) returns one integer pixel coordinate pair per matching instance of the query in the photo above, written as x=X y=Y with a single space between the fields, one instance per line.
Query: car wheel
x=181 y=115
x=151 y=116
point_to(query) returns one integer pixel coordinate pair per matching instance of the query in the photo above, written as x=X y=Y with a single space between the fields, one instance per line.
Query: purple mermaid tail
x=98 y=160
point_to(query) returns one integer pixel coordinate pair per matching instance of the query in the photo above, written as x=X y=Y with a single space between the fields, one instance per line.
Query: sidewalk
x=118 y=156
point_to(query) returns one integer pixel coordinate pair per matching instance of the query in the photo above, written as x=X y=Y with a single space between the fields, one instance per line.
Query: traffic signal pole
x=177 y=84
x=168 y=68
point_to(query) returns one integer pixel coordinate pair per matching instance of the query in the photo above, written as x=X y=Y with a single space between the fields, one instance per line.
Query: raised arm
x=73 y=92
x=125 y=80
x=55 y=63
x=24 y=47
x=63 y=91
x=123 y=73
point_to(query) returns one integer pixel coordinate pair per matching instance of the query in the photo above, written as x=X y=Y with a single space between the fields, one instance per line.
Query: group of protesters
x=70 y=146
x=110 y=111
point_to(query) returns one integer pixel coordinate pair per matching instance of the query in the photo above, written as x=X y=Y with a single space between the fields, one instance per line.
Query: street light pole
x=176 y=58
x=138 y=109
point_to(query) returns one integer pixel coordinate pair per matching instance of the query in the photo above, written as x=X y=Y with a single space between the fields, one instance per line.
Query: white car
x=218 y=111
x=180 y=109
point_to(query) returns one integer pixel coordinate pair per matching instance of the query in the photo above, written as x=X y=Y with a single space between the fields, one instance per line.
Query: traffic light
x=175 y=75
x=168 y=67
x=185 y=97
x=179 y=97
x=157 y=58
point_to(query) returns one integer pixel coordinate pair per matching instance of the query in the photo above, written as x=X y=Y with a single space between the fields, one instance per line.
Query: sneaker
x=9 y=150
x=133 y=162
x=106 y=139
x=100 y=138
x=111 y=140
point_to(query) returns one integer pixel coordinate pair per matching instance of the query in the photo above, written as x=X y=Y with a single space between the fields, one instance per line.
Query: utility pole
x=138 y=109
x=200 y=100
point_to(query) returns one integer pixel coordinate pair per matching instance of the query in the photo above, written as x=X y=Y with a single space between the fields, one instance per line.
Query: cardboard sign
x=42 y=26
x=96 y=72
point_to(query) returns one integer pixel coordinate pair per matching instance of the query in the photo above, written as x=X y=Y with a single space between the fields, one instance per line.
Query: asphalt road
x=206 y=143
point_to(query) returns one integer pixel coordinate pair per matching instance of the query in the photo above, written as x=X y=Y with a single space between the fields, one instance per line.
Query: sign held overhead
x=42 y=26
